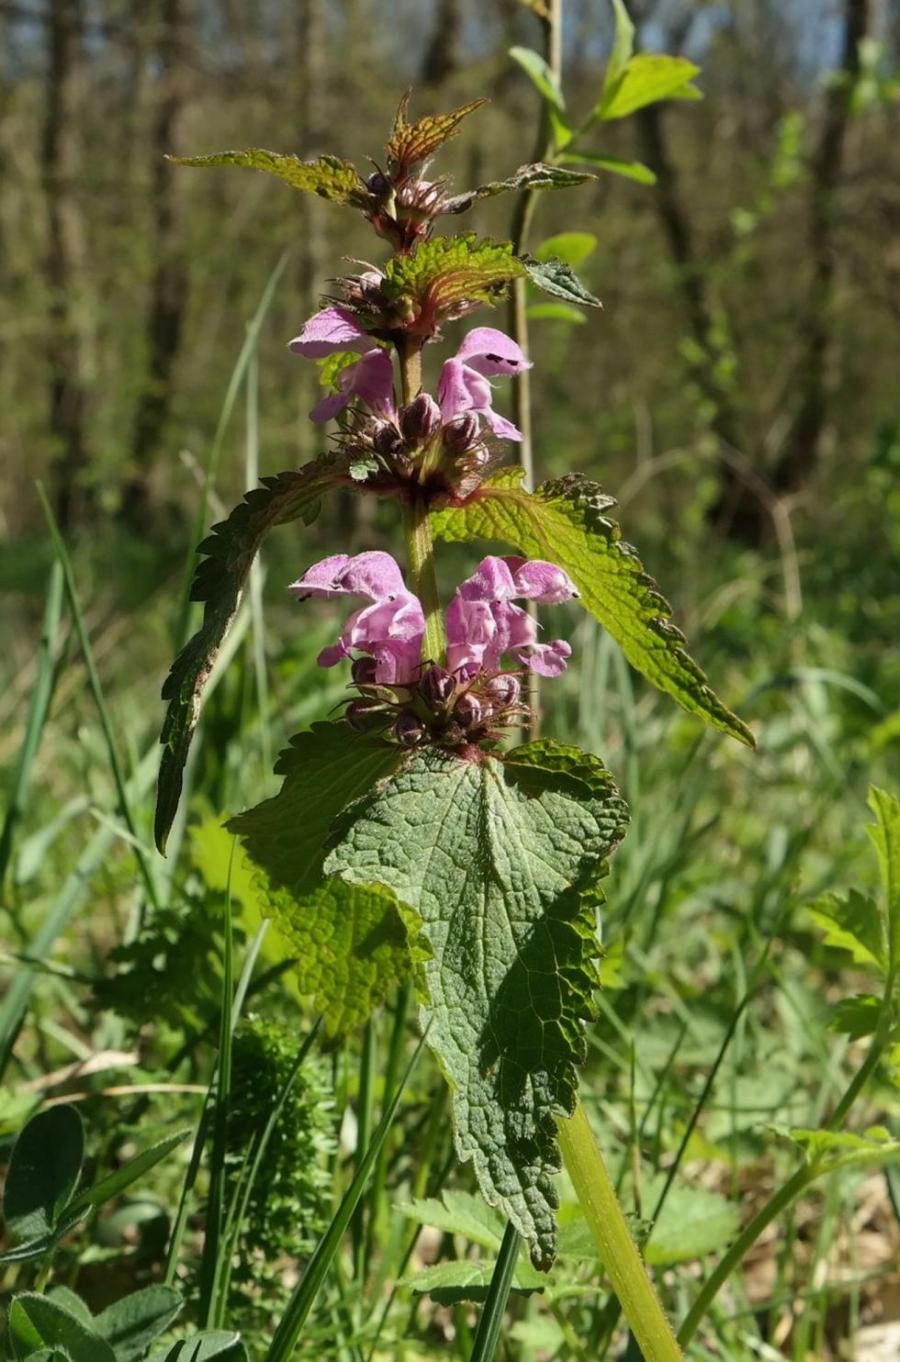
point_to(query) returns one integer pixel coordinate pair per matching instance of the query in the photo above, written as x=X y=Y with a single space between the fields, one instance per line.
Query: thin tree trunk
x=737 y=510
x=803 y=444
x=168 y=291
x=66 y=396
x=442 y=56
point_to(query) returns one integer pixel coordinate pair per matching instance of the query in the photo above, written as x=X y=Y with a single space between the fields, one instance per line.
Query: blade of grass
x=15 y=1001
x=97 y=692
x=300 y=1304
x=212 y=1308
x=491 y=1321
x=248 y=349
x=38 y=710
x=255 y=580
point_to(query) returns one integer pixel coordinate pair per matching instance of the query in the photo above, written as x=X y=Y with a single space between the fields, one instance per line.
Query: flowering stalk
x=416 y=524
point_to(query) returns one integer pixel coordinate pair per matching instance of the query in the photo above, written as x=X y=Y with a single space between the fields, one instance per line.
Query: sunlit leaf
x=329 y=177
x=411 y=143
x=452 y=1283
x=348 y=941
x=647 y=79
x=495 y=858
x=448 y=271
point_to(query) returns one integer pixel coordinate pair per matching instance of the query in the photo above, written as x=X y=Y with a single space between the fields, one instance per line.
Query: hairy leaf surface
x=411 y=143
x=496 y=858
x=219 y=581
x=349 y=940
x=565 y=521
x=534 y=176
x=449 y=270
x=559 y=280
x=329 y=176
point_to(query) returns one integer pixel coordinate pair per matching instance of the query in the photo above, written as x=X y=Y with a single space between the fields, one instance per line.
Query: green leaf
x=33 y=1249
x=830 y=1150
x=692 y=1223
x=453 y=1283
x=411 y=143
x=557 y=278
x=556 y=312
x=573 y=248
x=39 y=1322
x=130 y=1325
x=349 y=941
x=447 y=271
x=458 y=1213
x=647 y=79
x=61 y=1295
x=540 y=75
x=496 y=857
x=853 y=924
x=534 y=176
x=219 y=581
x=631 y=170
x=622 y=48
x=858 y=1016
x=43 y=1172
x=123 y=1177
x=329 y=177
x=885 y=835
x=565 y=522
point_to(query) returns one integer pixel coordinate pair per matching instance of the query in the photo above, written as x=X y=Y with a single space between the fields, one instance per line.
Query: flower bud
x=387 y=439
x=364 y=716
x=408 y=730
x=420 y=419
x=379 y=184
x=468 y=711
x=436 y=687
x=503 y=690
x=461 y=434
x=363 y=671
x=454 y=735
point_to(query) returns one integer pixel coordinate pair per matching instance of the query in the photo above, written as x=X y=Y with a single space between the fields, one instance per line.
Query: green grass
x=711 y=1030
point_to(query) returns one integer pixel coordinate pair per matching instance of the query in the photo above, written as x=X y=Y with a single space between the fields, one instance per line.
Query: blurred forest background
x=744 y=372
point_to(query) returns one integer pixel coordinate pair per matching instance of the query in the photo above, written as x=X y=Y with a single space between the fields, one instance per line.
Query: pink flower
x=371 y=378
x=483 y=624
x=390 y=629
x=463 y=387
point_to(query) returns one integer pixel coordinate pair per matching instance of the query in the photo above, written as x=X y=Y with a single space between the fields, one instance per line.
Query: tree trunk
x=803 y=443
x=168 y=290
x=66 y=396
x=737 y=510
x=442 y=55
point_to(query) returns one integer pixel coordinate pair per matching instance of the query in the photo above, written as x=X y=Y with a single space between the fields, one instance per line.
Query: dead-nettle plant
x=412 y=835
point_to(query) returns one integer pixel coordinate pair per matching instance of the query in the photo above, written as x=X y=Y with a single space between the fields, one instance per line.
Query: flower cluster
x=473 y=696
x=444 y=444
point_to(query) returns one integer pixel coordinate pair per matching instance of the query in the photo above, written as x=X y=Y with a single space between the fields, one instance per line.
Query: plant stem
x=523 y=212
x=421 y=573
x=491 y=1321
x=618 y=1251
